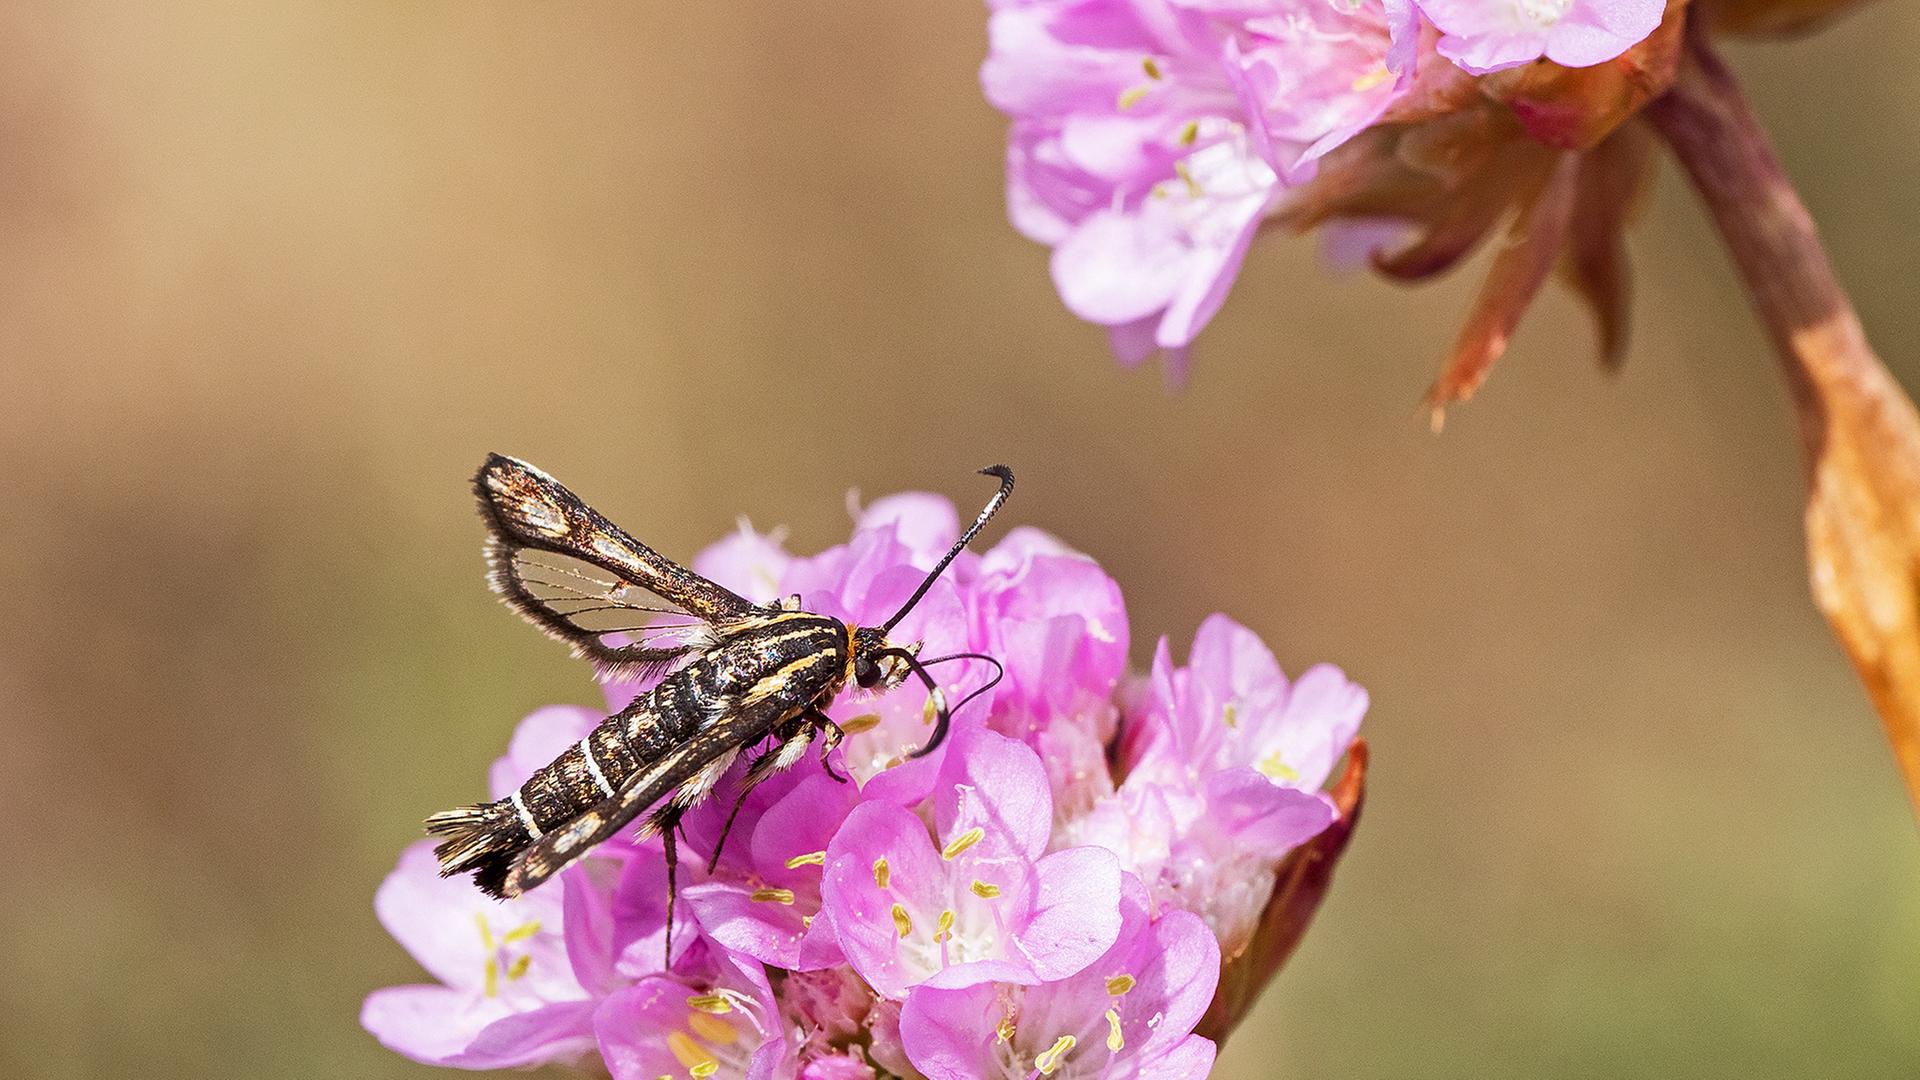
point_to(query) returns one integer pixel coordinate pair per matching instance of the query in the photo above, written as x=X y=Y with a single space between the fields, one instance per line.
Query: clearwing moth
x=739 y=677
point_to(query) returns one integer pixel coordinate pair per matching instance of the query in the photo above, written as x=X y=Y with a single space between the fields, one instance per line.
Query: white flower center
x=1540 y=14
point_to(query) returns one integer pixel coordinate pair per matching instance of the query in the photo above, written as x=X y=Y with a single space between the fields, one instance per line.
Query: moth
x=739 y=677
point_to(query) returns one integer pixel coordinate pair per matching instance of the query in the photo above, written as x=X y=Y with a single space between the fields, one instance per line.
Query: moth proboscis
x=737 y=675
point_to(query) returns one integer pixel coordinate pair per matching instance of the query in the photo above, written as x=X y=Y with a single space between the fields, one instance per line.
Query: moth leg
x=667 y=820
x=834 y=733
x=792 y=741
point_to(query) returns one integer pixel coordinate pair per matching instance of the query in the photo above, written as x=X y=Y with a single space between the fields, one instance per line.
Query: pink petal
x=947 y=1033
x=1262 y=817
x=1076 y=913
x=1119 y=267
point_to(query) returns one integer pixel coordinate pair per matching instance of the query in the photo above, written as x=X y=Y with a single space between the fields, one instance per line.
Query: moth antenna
x=941 y=713
x=999 y=672
x=1005 y=476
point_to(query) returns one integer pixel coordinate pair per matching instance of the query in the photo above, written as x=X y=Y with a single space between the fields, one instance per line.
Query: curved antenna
x=1005 y=476
x=940 y=711
x=999 y=672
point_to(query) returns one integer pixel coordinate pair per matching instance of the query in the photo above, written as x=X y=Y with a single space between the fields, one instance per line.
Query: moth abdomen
x=483 y=838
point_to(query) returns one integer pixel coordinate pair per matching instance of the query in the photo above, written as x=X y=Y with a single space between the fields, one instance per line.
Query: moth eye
x=866 y=672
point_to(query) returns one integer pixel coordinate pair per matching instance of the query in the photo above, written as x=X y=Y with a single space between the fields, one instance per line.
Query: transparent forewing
x=586 y=582
x=608 y=617
x=526 y=508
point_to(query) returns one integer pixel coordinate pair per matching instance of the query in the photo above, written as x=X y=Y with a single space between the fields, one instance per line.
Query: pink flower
x=715 y=1015
x=853 y=930
x=1129 y=1014
x=1226 y=759
x=1488 y=35
x=985 y=902
x=509 y=992
x=1059 y=623
x=765 y=902
x=1151 y=139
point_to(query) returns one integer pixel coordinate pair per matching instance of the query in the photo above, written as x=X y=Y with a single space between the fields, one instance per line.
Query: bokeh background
x=273 y=278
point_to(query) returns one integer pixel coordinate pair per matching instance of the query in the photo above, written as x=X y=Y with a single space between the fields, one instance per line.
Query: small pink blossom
x=1225 y=762
x=983 y=902
x=715 y=1015
x=1129 y=1014
x=508 y=992
x=1150 y=140
x=1488 y=35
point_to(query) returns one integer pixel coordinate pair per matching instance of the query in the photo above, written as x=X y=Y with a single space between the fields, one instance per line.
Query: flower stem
x=1860 y=431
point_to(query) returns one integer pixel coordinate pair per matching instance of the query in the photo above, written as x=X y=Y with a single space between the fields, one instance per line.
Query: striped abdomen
x=753 y=678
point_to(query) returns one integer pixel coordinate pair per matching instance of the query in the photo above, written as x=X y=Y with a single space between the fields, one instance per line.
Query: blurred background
x=273 y=278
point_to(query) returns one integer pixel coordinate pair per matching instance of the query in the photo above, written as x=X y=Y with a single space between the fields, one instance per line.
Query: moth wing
x=574 y=574
x=704 y=756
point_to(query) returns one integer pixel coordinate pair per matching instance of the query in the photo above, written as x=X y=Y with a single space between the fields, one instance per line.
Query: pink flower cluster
x=1049 y=893
x=1151 y=138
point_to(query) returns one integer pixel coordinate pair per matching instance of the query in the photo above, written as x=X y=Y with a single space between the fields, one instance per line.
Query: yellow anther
x=773 y=896
x=984 y=890
x=518 y=969
x=1049 y=1059
x=1119 y=985
x=521 y=933
x=1115 y=1041
x=863 y=722
x=1190 y=134
x=1371 y=79
x=945 y=927
x=900 y=920
x=486 y=932
x=811 y=858
x=1131 y=96
x=1152 y=67
x=1186 y=174
x=1274 y=767
x=1005 y=1029
x=881 y=875
x=1231 y=714
x=690 y=1054
x=962 y=842
x=493 y=977
x=713 y=1029
x=930 y=711
x=717 y=1004
x=704 y=1069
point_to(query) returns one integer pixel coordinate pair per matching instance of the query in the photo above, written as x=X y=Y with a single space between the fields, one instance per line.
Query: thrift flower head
x=1152 y=140
x=1007 y=906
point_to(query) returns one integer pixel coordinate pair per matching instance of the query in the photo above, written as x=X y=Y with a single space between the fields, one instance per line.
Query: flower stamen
x=962 y=842
x=1049 y=1059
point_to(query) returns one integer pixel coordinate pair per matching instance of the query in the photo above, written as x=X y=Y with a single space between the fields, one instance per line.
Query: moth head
x=878 y=664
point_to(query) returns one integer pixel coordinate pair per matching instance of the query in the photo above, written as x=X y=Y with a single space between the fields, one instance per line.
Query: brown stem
x=1859 y=428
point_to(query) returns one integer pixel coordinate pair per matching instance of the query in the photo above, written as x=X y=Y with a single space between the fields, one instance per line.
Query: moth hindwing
x=738 y=677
